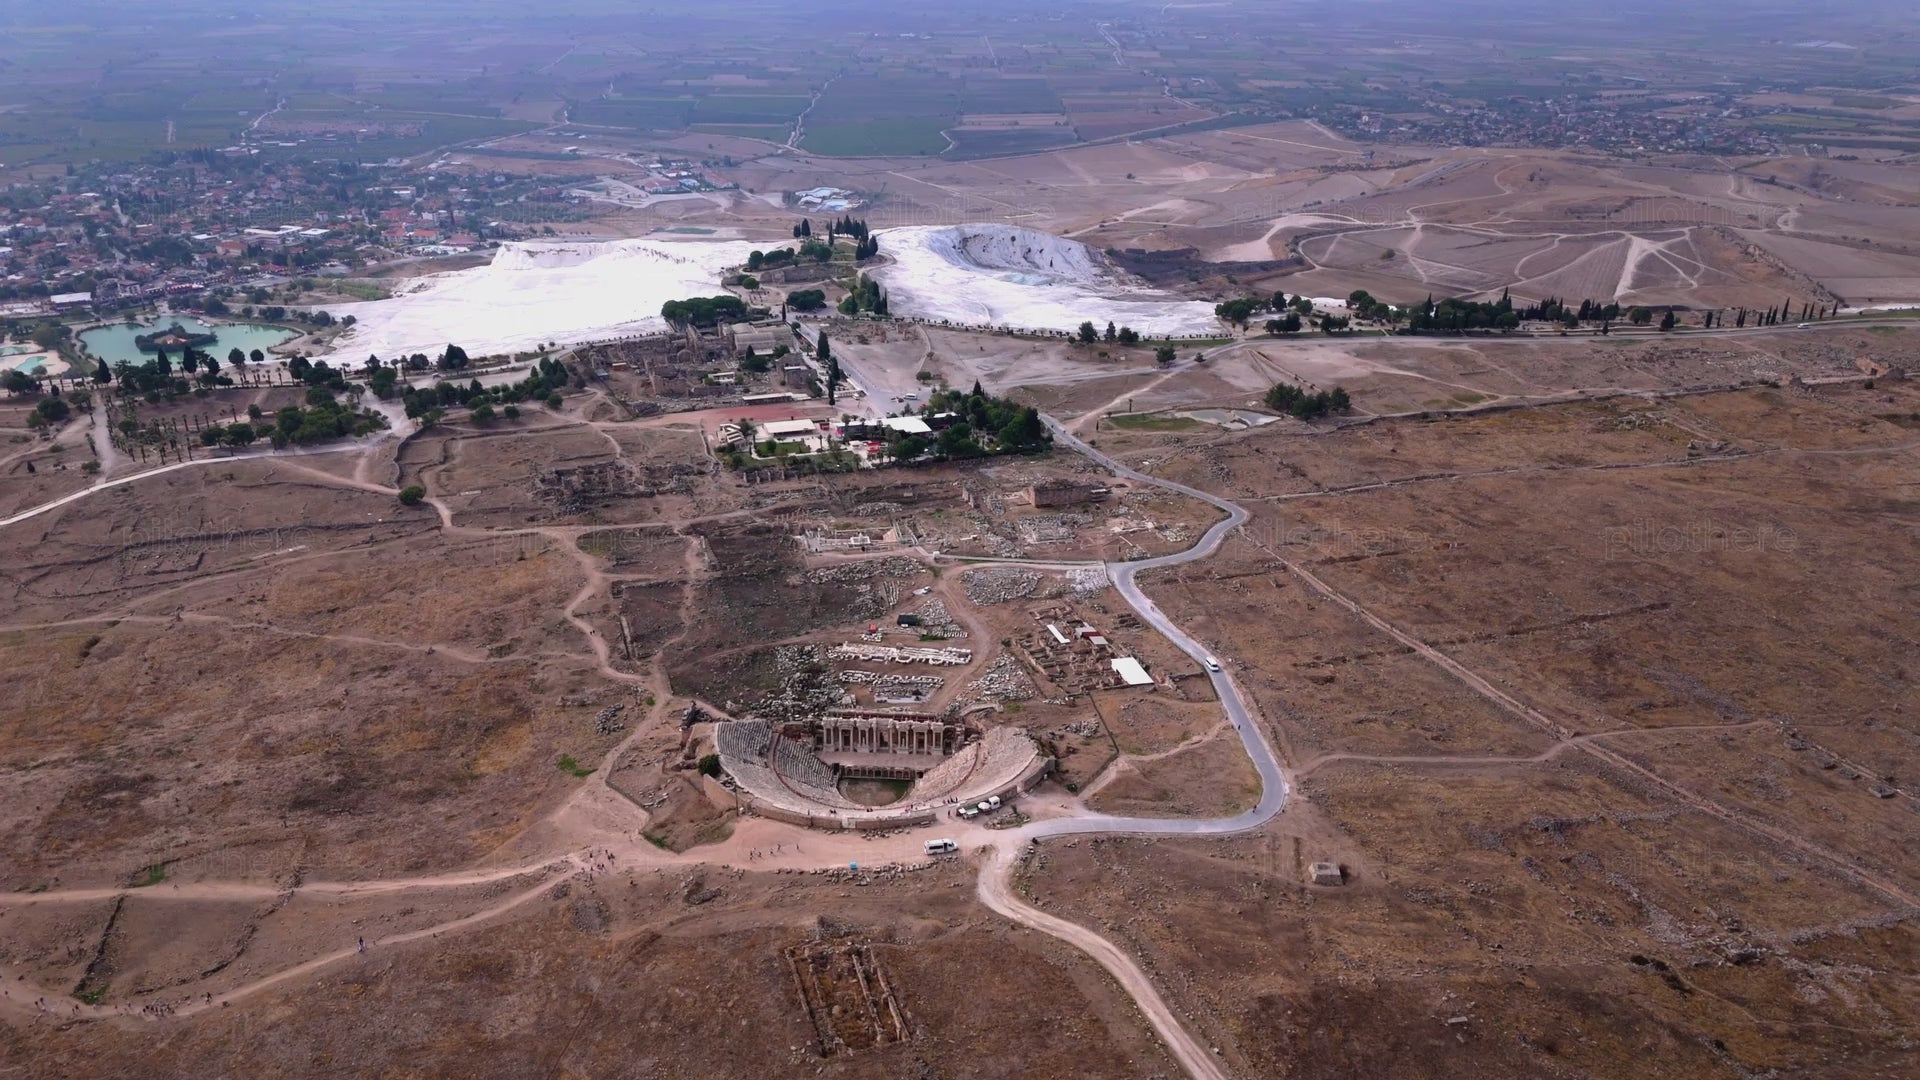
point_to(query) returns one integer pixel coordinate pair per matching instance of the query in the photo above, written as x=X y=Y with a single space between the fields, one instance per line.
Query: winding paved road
x=1273 y=785
x=993 y=888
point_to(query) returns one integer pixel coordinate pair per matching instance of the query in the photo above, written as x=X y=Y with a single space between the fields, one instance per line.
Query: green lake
x=115 y=343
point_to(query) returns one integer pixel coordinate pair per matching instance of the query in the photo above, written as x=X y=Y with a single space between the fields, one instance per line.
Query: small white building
x=787 y=429
x=907 y=425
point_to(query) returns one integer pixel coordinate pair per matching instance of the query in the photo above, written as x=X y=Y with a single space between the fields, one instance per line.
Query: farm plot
x=747 y=109
x=1582 y=267
x=1861 y=276
x=1101 y=117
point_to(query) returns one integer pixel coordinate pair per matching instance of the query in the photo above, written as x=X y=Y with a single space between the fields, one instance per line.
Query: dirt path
x=1124 y=764
x=1313 y=764
x=994 y=893
x=1888 y=890
x=465 y=656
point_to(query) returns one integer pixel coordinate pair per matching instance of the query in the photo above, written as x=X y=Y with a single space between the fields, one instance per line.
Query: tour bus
x=1212 y=664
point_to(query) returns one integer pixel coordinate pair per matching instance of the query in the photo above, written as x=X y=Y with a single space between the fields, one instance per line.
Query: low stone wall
x=878 y=820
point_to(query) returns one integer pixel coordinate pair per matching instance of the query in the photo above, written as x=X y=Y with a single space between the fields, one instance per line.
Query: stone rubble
x=998 y=585
x=1004 y=680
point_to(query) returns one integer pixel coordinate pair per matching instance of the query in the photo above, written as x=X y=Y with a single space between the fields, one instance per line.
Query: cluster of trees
x=213 y=305
x=1452 y=316
x=866 y=296
x=849 y=226
x=381 y=378
x=431 y=401
x=157 y=377
x=1364 y=306
x=865 y=244
x=45 y=334
x=985 y=425
x=757 y=364
x=19 y=382
x=1776 y=316
x=766 y=260
x=1290 y=399
x=318 y=373
x=1122 y=335
x=229 y=435
x=806 y=299
x=829 y=363
x=704 y=310
x=52 y=409
x=1590 y=311
x=323 y=419
x=816 y=250
x=1293 y=314
x=1241 y=311
x=543 y=384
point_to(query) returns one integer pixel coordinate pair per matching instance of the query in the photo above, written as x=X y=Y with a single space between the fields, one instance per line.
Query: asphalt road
x=1273 y=785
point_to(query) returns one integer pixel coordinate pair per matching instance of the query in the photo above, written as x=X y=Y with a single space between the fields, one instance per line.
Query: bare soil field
x=1533 y=687
x=1542 y=922
x=647 y=974
x=1405 y=222
x=1208 y=778
x=1400 y=376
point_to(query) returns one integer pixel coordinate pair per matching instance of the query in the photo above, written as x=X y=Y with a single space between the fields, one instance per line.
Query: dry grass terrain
x=668 y=975
x=1618 y=819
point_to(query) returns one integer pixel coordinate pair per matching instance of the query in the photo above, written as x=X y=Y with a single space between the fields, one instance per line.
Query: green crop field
x=663 y=113
x=1009 y=95
x=866 y=97
x=745 y=109
x=1152 y=422
x=770 y=132
x=890 y=137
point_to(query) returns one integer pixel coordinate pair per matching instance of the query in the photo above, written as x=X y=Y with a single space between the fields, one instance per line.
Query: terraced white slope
x=1003 y=275
x=538 y=292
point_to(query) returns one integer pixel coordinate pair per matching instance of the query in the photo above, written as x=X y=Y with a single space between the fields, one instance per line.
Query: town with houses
x=134 y=233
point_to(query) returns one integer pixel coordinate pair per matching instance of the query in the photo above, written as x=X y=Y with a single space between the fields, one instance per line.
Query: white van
x=992 y=803
x=941 y=847
x=1211 y=663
